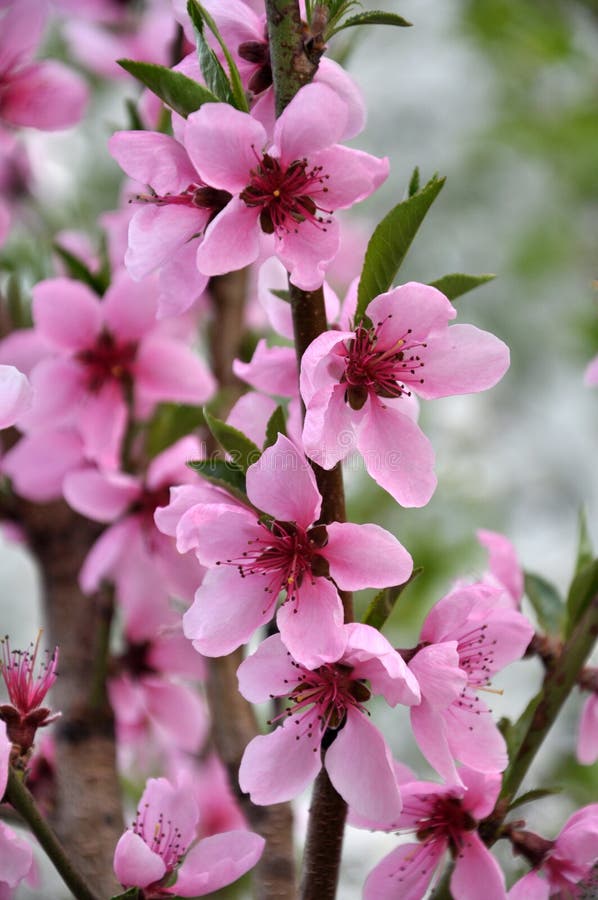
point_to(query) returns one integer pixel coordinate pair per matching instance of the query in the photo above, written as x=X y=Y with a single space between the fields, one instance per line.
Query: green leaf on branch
x=390 y=242
x=383 y=603
x=536 y=794
x=242 y=451
x=585 y=551
x=224 y=474
x=131 y=894
x=281 y=294
x=457 y=284
x=276 y=425
x=176 y=90
x=584 y=588
x=77 y=269
x=375 y=17
x=229 y=89
x=170 y=422
x=413 y=183
x=547 y=603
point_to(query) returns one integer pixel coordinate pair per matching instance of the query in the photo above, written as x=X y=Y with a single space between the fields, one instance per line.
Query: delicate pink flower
x=44 y=95
x=38 y=462
x=356 y=385
x=469 y=635
x=156 y=847
x=505 y=569
x=567 y=862
x=587 y=741
x=252 y=558
x=287 y=187
x=591 y=373
x=102 y=351
x=443 y=818
x=27 y=689
x=15 y=395
x=16 y=856
x=326 y=703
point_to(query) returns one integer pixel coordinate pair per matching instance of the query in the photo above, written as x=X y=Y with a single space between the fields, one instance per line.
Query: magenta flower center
x=476 y=655
x=26 y=688
x=107 y=361
x=286 y=195
x=384 y=373
x=282 y=556
x=162 y=837
x=320 y=699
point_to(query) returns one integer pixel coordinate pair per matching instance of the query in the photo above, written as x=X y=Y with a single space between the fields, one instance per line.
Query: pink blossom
x=16 y=857
x=443 y=819
x=587 y=741
x=287 y=187
x=326 y=702
x=156 y=847
x=44 y=95
x=253 y=557
x=15 y=395
x=357 y=385
x=27 y=689
x=567 y=862
x=469 y=635
x=591 y=373
x=99 y=351
x=505 y=569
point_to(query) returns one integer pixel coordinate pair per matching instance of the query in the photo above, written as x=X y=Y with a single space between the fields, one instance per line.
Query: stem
x=291 y=69
x=21 y=799
x=559 y=680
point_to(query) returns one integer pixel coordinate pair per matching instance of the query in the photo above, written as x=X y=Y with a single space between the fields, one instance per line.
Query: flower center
x=282 y=555
x=287 y=195
x=162 y=837
x=320 y=699
x=445 y=817
x=201 y=196
x=107 y=361
x=26 y=690
x=384 y=373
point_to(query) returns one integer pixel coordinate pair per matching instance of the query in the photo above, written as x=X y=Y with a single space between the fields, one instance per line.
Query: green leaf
x=457 y=284
x=77 y=269
x=413 y=183
x=585 y=551
x=390 y=242
x=176 y=90
x=514 y=732
x=584 y=588
x=547 y=603
x=235 y=92
x=134 y=123
x=170 y=422
x=384 y=602
x=276 y=425
x=222 y=473
x=241 y=449
x=281 y=294
x=131 y=894
x=375 y=17
x=536 y=794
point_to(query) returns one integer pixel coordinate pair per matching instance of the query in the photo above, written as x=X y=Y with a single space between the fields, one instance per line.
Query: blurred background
x=501 y=97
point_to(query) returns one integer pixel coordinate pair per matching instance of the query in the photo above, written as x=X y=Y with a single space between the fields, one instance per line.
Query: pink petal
x=170 y=466
x=38 y=463
x=308 y=251
x=473 y=736
x=135 y=865
x=58 y=388
x=462 y=360
x=15 y=395
x=268 y=672
x=181 y=282
x=482 y=790
x=231 y=240
x=436 y=668
x=154 y=159
x=354 y=175
x=17 y=859
x=21 y=32
x=251 y=414
x=397 y=455
x=430 y=733
x=591 y=373
x=66 y=313
x=329 y=430
x=530 y=887
x=100 y=496
x=413 y=305
x=363 y=556
x=334 y=76
x=167 y=370
x=276 y=767
x=157 y=232
x=129 y=308
x=178 y=712
x=312 y=629
x=475 y=866
x=5 y=751
x=217 y=861
x=101 y=560
x=374 y=659
x=102 y=423
x=587 y=742
x=173 y=802
x=45 y=95
x=226 y=612
x=220 y=532
x=503 y=562
x=282 y=483
x=272 y=370
x=224 y=144
x=360 y=766
x=404 y=873
x=314 y=119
